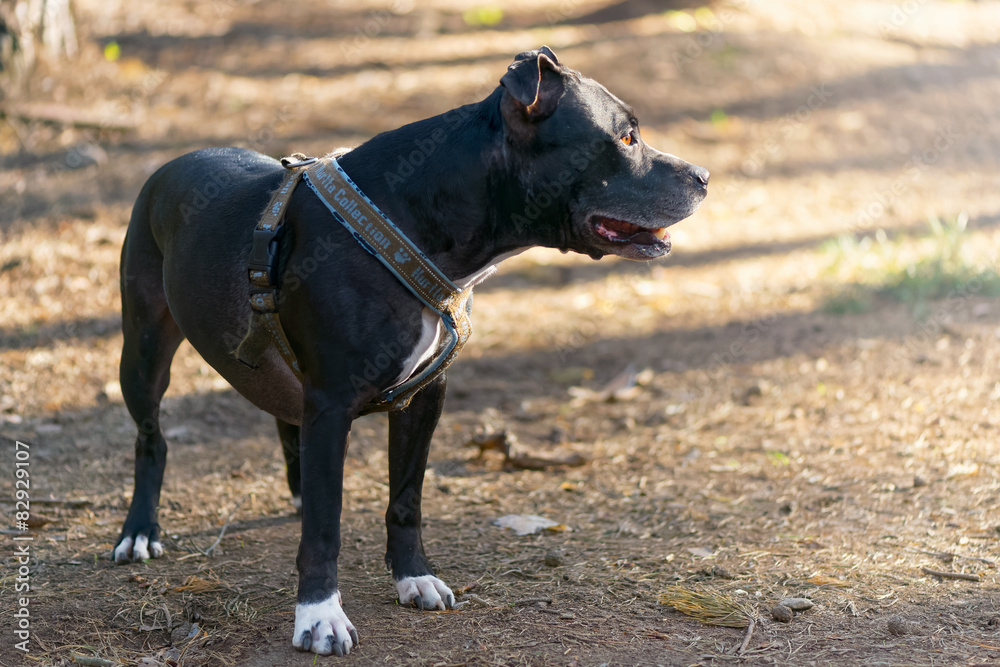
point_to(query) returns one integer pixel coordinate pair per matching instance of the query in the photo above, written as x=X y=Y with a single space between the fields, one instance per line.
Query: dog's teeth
x=660 y=233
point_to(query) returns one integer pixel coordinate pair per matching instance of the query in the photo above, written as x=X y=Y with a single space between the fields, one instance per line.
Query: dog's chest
x=431 y=331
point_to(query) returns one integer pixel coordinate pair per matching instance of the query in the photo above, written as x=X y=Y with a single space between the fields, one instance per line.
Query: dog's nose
x=701 y=175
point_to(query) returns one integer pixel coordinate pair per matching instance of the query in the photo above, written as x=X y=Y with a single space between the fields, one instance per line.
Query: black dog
x=550 y=158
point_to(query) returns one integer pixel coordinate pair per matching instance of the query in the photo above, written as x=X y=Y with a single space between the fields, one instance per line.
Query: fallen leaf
x=622 y=387
x=527 y=524
x=499 y=441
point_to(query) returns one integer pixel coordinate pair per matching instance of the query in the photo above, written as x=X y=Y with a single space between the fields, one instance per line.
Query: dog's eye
x=628 y=138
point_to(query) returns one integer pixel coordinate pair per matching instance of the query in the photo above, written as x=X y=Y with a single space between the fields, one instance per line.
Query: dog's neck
x=452 y=208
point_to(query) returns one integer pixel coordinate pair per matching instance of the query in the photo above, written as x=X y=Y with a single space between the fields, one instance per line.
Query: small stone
x=899 y=626
x=919 y=481
x=781 y=613
x=752 y=392
x=797 y=604
x=182 y=632
x=721 y=573
x=554 y=558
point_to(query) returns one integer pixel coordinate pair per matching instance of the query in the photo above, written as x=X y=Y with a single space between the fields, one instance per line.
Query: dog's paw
x=323 y=628
x=138 y=548
x=426 y=592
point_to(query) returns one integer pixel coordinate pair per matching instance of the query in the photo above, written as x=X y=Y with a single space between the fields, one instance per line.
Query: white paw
x=426 y=592
x=323 y=628
x=297 y=503
x=129 y=550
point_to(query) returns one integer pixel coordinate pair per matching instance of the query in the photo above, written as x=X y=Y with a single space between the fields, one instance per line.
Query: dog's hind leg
x=410 y=431
x=150 y=339
x=289 y=434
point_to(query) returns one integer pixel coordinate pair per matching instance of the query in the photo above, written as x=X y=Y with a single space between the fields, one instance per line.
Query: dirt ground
x=774 y=449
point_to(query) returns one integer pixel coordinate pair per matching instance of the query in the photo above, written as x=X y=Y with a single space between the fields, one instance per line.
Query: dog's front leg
x=321 y=626
x=410 y=431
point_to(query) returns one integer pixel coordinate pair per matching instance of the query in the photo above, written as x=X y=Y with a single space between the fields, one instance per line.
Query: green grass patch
x=908 y=268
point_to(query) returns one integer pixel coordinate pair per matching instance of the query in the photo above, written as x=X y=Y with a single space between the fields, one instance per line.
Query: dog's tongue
x=626 y=232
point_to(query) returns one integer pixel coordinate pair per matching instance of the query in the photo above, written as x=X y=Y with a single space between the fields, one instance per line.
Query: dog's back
x=184 y=258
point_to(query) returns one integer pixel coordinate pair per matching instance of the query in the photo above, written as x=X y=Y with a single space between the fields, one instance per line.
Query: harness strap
x=378 y=235
x=373 y=230
x=263 y=272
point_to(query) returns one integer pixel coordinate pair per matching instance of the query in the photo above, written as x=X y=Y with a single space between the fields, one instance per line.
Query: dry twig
x=209 y=551
x=951 y=575
x=92 y=661
x=521 y=603
x=746 y=638
x=57 y=114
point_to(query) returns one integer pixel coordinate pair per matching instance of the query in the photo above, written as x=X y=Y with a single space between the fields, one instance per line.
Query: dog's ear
x=533 y=84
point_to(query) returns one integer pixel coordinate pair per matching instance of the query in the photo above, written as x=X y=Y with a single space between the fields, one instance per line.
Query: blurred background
x=847 y=140
x=819 y=357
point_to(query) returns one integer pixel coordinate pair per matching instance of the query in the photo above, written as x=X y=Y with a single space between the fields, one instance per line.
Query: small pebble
x=899 y=626
x=554 y=558
x=721 y=572
x=919 y=481
x=781 y=613
x=797 y=604
x=182 y=632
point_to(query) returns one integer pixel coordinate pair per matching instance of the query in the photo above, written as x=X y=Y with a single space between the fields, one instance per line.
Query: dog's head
x=585 y=167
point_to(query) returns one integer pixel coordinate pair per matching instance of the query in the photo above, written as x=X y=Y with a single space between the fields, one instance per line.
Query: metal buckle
x=288 y=164
x=264 y=301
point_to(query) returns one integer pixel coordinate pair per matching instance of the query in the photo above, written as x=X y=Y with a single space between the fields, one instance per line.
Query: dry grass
x=710 y=607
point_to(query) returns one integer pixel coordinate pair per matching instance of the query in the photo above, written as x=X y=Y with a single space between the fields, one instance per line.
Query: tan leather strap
x=378 y=235
x=263 y=269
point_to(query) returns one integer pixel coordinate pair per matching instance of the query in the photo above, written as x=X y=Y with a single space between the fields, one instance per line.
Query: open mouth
x=621 y=231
